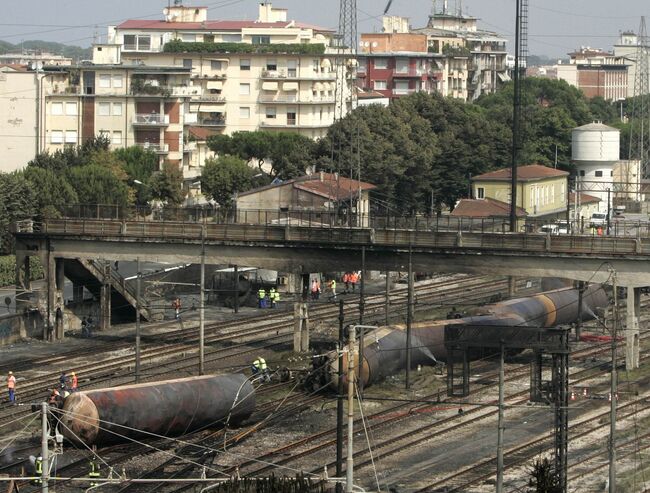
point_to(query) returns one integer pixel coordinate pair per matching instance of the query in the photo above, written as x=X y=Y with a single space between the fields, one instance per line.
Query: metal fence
x=346 y=219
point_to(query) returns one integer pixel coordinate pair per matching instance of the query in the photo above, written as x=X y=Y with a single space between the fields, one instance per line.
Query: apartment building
x=596 y=73
x=455 y=33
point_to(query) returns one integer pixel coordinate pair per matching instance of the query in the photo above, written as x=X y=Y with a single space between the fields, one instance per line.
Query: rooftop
x=484 y=208
x=596 y=127
x=328 y=185
x=583 y=198
x=217 y=25
x=531 y=172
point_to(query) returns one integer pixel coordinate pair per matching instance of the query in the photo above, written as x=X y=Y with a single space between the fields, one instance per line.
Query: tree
x=69 y=156
x=543 y=478
x=288 y=153
x=17 y=201
x=54 y=191
x=139 y=164
x=167 y=186
x=225 y=176
x=97 y=184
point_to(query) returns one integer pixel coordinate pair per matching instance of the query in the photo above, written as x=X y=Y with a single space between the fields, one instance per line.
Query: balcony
x=212 y=121
x=189 y=147
x=411 y=72
x=209 y=76
x=154 y=147
x=293 y=123
x=295 y=74
x=293 y=99
x=59 y=90
x=212 y=98
x=404 y=92
x=150 y=120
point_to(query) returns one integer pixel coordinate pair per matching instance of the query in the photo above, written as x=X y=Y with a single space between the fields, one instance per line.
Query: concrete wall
x=15 y=327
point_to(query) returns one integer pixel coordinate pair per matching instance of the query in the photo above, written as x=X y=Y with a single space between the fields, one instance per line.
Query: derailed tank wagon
x=384 y=350
x=168 y=408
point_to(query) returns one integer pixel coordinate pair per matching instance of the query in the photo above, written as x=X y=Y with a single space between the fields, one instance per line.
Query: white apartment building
x=169 y=85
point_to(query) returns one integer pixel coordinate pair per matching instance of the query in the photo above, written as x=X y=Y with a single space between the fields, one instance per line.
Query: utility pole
x=202 y=313
x=501 y=424
x=349 y=473
x=339 y=401
x=609 y=210
x=516 y=120
x=236 y=272
x=45 y=463
x=387 y=301
x=362 y=301
x=137 y=321
x=581 y=290
x=409 y=318
x=613 y=391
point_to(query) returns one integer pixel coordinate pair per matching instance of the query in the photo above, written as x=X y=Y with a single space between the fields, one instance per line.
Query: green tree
x=167 y=185
x=225 y=176
x=17 y=201
x=97 y=184
x=54 y=191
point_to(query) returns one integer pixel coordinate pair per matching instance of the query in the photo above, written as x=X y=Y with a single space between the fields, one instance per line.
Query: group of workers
x=61 y=391
x=350 y=279
x=268 y=300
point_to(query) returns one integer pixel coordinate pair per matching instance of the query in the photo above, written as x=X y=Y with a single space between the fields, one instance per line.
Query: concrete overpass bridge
x=297 y=247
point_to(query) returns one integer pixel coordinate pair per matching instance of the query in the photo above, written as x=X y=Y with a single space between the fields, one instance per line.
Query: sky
x=556 y=27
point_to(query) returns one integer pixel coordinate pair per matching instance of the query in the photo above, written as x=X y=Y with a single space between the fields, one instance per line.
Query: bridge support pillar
x=105 y=307
x=512 y=286
x=53 y=327
x=632 y=328
x=59 y=329
x=300 y=328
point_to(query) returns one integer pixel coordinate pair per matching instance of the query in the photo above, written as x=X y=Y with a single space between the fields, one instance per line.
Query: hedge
x=177 y=46
x=8 y=269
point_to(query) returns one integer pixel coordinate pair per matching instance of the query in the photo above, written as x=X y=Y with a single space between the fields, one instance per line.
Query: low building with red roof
x=313 y=198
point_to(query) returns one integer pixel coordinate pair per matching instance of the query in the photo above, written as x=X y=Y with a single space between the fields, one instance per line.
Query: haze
x=556 y=26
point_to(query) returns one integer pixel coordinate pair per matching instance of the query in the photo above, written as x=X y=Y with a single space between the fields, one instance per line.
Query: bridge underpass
x=302 y=249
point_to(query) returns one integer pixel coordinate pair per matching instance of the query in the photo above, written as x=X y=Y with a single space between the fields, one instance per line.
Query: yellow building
x=541 y=191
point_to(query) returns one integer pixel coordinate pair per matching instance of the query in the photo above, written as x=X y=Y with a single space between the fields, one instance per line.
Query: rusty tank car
x=384 y=350
x=168 y=408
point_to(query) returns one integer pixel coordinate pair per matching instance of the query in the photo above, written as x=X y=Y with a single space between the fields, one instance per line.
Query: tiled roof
x=326 y=185
x=16 y=67
x=213 y=25
x=201 y=133
x=531 y=172
x=584 y=198
x=484 y=208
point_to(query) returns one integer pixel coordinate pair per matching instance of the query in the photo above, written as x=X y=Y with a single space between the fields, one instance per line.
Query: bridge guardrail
x=520 y=242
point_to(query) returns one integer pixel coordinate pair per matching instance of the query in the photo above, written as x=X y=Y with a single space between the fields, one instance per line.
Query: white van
x=598 y=219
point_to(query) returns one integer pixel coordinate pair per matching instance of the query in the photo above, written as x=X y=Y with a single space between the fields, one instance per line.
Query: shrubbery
x=8 y=269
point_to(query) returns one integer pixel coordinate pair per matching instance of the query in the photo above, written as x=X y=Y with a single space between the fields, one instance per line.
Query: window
x=261 y=40
x=56 y=137
x=315 y=64
x=187 y=62
x=117 y=138
x=56 y=109
x=245 y=64
x=402 y=65
x=401 y=87
x=582 y=172
x=480 y=193
x=137 y=43
x=381 y=63
x=216 y=64
x=104 y=109
x=70 y=136
x=188 y=38
x=271 y=65
x=105 y=134
x=71 y=109
x=599 y=174
x=270 y=112
x=380 y=85
x=291 y=117
x=291 y=68
x=244 y=112
x=104 y=80
x=117 y=81
x=231 y=38
x=244 y=89
x=117 y=109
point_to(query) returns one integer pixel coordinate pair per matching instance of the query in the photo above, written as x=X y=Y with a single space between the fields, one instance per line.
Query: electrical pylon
x=639 y=114
x=346 y=59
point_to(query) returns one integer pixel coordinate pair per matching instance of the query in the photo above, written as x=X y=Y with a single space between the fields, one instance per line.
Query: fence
x=345 y=218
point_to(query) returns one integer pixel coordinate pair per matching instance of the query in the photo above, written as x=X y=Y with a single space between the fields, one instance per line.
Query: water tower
x=595 y=152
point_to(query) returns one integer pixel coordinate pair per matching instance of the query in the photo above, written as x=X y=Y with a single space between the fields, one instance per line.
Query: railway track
x=263 y=329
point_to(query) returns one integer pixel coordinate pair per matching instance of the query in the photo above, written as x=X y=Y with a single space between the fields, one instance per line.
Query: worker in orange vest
x=354 y=280
x=11 y=387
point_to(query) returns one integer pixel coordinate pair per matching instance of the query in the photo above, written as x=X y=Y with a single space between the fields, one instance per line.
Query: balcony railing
x=154 y=147
x=212 y=122
x=151 y=119
x=293 y=123
x=189 y=147
x=214 y=98
x=290 y=74
x=411 y=72
x=404 y=92
x=293 y=99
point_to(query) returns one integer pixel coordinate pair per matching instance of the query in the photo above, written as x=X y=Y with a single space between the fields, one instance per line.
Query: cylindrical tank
x=595 y=142
x=385 y=348
x=168 y=408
